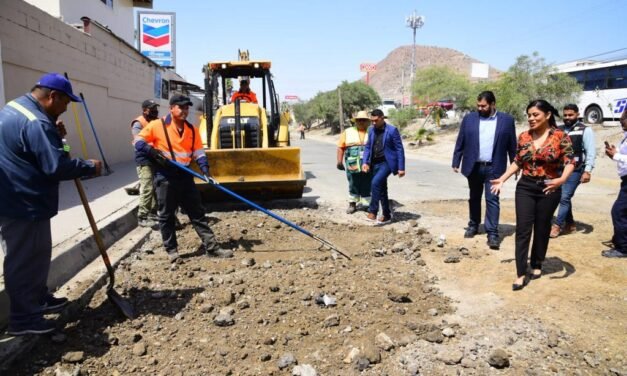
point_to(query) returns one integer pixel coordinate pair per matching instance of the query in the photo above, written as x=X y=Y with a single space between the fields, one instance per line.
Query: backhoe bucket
x=262 y=173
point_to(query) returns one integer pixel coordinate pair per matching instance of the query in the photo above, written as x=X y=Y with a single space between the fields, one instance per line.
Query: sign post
x=157 y=37
x=367 y=68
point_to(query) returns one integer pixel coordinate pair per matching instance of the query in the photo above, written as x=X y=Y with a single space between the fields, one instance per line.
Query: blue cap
x=55 y=81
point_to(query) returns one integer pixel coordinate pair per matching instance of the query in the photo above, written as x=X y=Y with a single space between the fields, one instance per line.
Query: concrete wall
x=114 y=77
x=118 y=19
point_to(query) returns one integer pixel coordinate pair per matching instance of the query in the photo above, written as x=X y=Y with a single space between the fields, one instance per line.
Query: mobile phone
x=607 y=144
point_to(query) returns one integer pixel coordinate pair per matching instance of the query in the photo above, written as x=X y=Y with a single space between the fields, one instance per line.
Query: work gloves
x=158 y=158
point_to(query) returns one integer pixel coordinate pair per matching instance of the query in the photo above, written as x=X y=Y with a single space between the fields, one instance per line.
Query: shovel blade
x=121 y=303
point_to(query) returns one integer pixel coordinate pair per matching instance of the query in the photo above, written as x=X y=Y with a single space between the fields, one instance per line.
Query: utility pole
x=413 y=22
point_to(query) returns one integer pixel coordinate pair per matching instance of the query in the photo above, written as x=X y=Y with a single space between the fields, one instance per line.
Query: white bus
x=604 y=85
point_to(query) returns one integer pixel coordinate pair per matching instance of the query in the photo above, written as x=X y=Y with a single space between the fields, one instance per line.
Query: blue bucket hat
x=57 y=82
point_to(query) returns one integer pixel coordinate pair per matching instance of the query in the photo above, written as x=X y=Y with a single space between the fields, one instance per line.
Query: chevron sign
x=157 y=37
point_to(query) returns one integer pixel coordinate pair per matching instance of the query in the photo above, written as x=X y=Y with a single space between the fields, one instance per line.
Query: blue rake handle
x=93 y=129
x=266 y=211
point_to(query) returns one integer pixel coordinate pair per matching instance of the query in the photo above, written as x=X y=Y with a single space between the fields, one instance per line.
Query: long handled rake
x=266 y=211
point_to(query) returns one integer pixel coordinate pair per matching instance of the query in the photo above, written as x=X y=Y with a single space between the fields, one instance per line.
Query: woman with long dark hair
x=542 y=152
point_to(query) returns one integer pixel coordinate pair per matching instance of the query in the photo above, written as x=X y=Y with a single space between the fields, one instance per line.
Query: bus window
x=596 y=79
x=579 y=76
x=618 y=78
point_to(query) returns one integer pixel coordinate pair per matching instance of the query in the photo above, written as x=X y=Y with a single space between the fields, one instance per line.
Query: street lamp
x=414 y=22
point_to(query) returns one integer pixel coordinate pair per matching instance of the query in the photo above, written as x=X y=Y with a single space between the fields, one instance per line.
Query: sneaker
x=614 y=253
x=371 y=217
x=220 y=253
x=470 y=232
x=41 y=326
x=384 y=220
x=145 y=222
x=493 y=242
x=555 y=231
x=53 y=305
x=352 y=207
x=173 y=256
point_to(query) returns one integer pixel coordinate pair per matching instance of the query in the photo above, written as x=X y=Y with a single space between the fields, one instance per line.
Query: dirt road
x=404 y=305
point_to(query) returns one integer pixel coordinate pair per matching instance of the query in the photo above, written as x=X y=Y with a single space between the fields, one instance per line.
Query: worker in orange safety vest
x=173 y=137
x=244 y=92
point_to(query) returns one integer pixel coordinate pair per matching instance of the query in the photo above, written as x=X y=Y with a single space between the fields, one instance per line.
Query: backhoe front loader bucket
x=261 y=173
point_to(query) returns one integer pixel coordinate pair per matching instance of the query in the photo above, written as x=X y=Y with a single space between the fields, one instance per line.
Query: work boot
x=52 y=304
x=555 y=231
x=352 y=207
x=493 y=242
x=219 y=252
x=173 y=255
x=470 y=232
x=41 y=326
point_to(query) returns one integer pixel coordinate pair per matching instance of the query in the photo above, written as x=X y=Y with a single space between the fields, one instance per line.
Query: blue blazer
x=467 y=145
x=392 y=148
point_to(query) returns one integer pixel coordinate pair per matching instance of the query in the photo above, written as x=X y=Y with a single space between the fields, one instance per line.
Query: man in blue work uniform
x=33 y=161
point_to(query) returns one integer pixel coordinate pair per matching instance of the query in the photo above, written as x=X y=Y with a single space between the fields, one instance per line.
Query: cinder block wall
x=114 y=77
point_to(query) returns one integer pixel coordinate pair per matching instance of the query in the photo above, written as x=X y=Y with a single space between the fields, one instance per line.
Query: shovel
x=266 y=211
x=113 y=295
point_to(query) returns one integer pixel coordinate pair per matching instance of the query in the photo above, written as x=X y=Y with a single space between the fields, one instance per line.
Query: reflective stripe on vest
x=181 y=145
x=576 y=137
x=29 y=115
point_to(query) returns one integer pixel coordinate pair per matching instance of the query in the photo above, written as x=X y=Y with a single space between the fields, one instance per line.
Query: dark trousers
x=302 y=135
x=478 y=182
x=534 y=211
x=380 y=173
x=359 y=185
x=619 y=218
x=565 y=211
x=27 y=247
x=181 y=191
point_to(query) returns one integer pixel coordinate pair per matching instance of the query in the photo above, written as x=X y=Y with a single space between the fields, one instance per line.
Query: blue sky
x=314 y=45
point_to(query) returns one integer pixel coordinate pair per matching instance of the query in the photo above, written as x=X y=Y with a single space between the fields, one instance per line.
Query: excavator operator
x=244 y=92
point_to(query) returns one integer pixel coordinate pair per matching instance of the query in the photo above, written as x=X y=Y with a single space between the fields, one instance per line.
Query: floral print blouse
x=548 y=160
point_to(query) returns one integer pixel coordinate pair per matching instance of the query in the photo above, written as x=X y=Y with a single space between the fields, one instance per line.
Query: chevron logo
x=156 y=36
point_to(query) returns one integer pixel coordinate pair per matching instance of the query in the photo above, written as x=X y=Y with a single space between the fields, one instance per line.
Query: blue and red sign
x=156 y=37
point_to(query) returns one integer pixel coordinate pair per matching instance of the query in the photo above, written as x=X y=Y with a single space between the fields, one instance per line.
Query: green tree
x=402 y=117
x=532 y=78
x=438 y=82
x=324 y=106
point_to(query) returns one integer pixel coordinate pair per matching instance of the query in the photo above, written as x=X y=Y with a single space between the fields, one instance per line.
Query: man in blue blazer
x=384 y=155
x=486 y=139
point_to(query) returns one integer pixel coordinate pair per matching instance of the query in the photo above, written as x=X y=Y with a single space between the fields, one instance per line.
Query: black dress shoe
x=493 y=242
x=517 y=287
x=470 y=232
x=535 y=276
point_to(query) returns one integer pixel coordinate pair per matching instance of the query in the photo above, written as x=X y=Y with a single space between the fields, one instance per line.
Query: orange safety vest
x=185 y=147
x=142 y=120
x=250 y=96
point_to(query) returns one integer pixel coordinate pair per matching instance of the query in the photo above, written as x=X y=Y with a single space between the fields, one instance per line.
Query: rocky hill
x=391 y=80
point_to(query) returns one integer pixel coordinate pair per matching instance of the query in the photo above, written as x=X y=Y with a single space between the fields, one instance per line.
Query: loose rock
x=304 y=370
x=286 y=360
x=73 y=357
x=384 y=342
x=223 y=319
x=330 y=321
x=450 y=357
x=499 y=358
x=139 y=349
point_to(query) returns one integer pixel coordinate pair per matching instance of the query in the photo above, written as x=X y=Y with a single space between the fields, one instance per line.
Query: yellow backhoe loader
x=248 y=144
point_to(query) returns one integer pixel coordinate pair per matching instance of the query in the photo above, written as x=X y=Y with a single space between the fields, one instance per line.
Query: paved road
x=425 y=179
